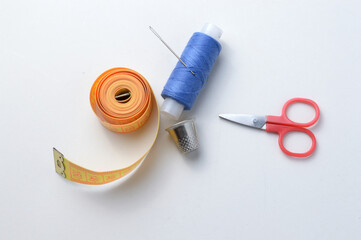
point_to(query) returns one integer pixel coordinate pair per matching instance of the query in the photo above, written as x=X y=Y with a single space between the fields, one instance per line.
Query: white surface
x=238 y=185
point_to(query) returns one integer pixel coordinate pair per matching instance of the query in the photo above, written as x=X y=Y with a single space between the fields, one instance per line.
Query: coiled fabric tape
x=124 y=102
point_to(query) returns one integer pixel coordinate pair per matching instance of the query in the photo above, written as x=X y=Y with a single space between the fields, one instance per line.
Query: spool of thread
x=185 y=83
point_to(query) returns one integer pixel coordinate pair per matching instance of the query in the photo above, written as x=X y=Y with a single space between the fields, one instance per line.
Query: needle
x=156 y=34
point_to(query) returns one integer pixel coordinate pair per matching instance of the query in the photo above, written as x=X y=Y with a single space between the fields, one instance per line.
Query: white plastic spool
x=170 y=107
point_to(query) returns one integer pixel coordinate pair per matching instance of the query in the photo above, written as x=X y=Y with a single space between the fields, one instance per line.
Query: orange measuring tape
x=123 y=101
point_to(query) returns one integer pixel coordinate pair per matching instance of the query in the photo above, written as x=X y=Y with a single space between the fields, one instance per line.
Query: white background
x=239 y=185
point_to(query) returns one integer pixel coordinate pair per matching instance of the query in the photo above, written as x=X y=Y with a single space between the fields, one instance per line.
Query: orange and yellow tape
x=123 y=101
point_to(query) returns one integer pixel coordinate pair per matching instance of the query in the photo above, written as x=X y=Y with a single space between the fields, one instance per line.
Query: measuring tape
x=123 y=101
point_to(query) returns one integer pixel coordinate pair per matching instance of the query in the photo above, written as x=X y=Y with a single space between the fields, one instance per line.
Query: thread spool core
x=123 y=95
x=212 y=31
x=171 y=108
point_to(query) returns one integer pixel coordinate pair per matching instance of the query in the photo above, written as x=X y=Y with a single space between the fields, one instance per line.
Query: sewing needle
x=158 y=36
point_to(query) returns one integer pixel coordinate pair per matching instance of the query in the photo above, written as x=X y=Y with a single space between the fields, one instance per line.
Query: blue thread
x=200 y=54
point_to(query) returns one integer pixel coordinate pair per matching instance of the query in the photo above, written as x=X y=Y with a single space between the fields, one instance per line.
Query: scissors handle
x=284 y=120
x=283 y=130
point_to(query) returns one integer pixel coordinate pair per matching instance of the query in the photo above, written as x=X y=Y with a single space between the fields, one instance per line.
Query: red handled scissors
x=280 y=124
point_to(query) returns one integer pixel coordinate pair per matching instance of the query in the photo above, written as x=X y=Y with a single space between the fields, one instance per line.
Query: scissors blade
x=247 y=120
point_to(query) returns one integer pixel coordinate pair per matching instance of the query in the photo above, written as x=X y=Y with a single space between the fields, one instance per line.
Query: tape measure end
x=59 y=162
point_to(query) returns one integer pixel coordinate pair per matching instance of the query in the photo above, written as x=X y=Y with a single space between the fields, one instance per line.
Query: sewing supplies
x=186 y=81
x=280 y=124
x=191 y=72
x=124 y=102
x=184 y=135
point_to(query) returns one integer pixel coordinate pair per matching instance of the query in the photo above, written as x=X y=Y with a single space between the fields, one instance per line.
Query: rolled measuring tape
x=124 y=102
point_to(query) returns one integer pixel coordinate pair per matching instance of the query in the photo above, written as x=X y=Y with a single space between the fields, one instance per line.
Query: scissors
x=280 y=124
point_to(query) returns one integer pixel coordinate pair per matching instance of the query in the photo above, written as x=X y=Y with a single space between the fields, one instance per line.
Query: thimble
x=184 y=135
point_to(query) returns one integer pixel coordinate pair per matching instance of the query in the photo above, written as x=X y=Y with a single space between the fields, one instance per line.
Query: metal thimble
x=184 y=135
